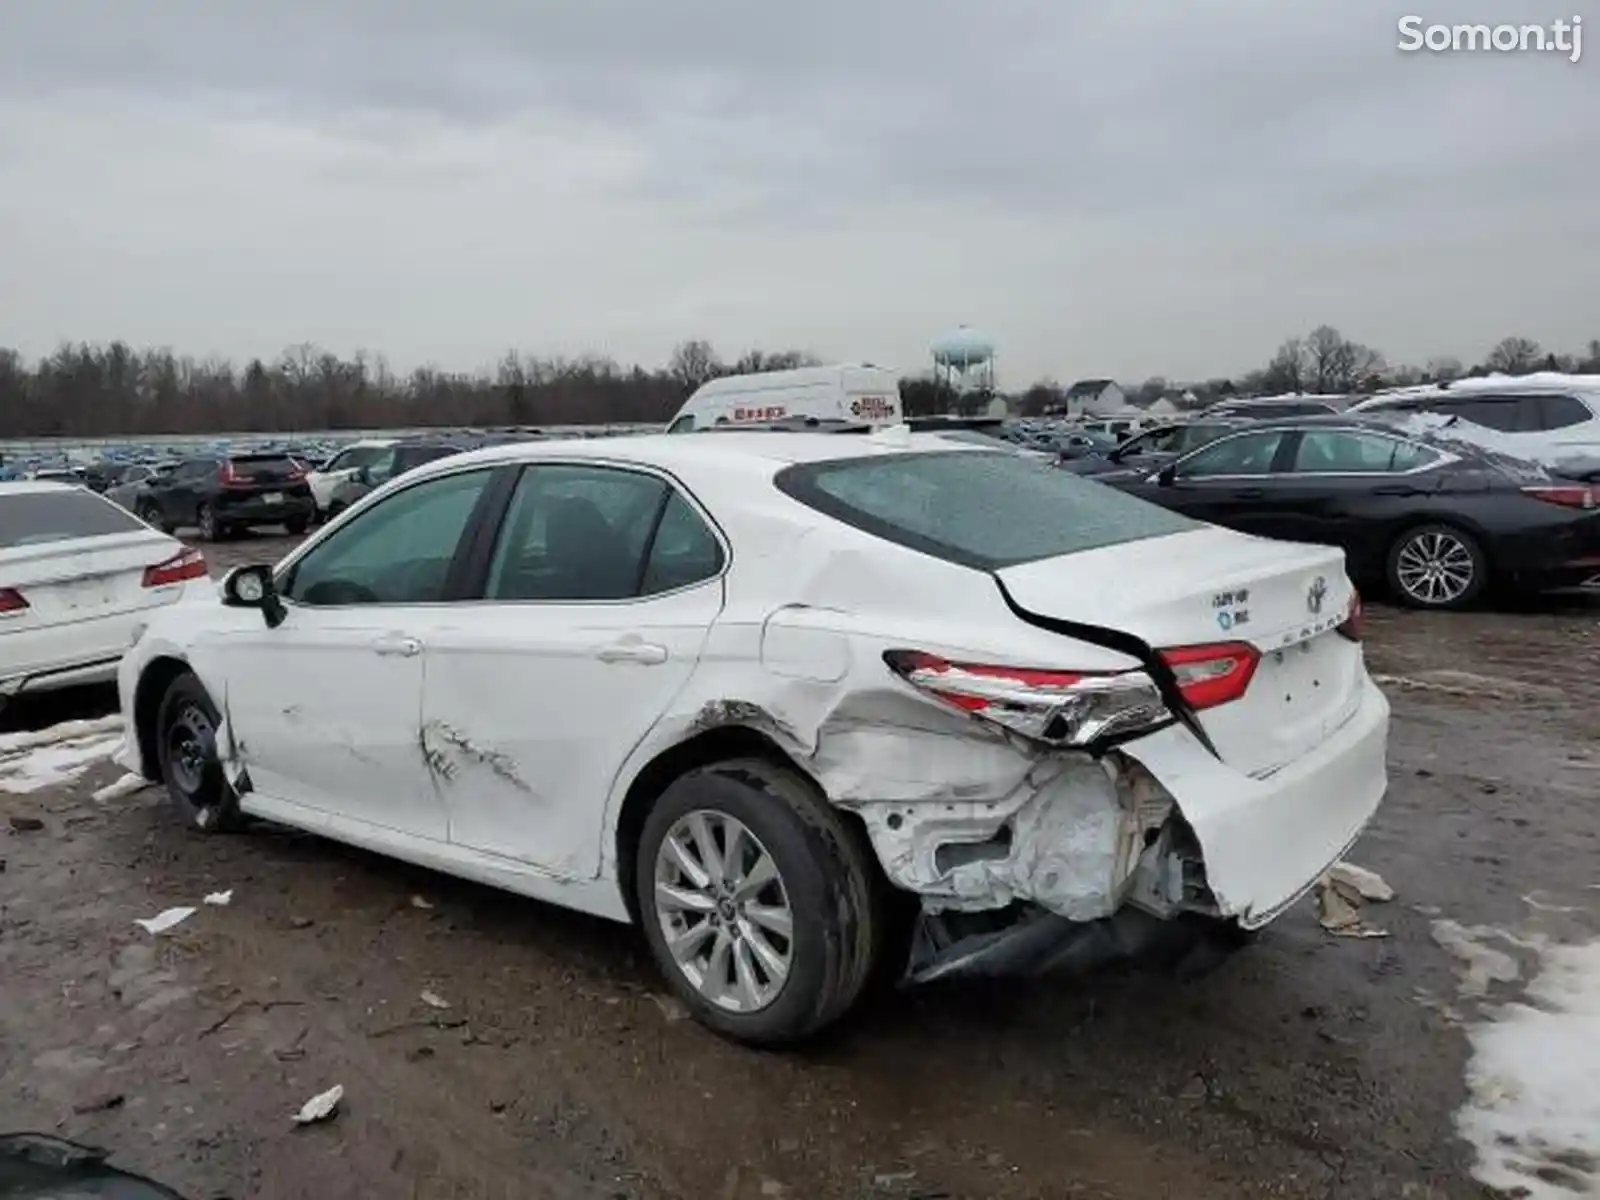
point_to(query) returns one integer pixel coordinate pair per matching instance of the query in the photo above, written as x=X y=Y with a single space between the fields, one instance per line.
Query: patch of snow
x=1533 y=1112
x=50 y=763
x=1481 y=963
x=11 y=743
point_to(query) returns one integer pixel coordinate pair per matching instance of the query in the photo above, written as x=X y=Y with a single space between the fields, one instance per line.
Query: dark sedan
x=1435 y=520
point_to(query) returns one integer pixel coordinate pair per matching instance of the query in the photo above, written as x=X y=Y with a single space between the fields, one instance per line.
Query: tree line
x=1325 y=362
x=113 y=390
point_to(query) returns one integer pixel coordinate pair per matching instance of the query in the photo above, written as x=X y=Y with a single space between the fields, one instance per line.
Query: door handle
x=632 y=650
x=398 y=647
x=1394 y=490
x=1251 y=493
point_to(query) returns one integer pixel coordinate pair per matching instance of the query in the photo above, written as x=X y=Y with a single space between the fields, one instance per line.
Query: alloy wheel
x=1435 y=567
x=724 y=911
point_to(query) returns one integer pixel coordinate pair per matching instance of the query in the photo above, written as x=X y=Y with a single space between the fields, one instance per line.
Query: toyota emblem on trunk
x=1314 y=597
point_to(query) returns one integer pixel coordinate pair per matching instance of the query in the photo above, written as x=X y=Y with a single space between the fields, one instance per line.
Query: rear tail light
x=228 y=475
x=12 y=601
x=1566 y=495
x=1354 y=624
x=1079 y=707
x=188 y=563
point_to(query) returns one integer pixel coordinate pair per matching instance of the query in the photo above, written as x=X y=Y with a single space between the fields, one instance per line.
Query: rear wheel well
x=153 y=684
x=725 y=743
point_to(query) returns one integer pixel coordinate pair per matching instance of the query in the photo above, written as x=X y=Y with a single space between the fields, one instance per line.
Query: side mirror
x=1167 y=474
x=252 y=587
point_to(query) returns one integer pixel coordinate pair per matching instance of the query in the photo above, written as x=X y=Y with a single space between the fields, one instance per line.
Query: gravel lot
x=1310 y=1066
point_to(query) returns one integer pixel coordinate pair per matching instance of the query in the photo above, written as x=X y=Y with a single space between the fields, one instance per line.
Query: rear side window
x=976 y=508
x=1492 y=412
x=1560 y=412
x=32 y=518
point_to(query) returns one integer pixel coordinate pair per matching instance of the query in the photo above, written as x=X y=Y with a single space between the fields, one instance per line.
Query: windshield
x=31 y=518
x=982 y=510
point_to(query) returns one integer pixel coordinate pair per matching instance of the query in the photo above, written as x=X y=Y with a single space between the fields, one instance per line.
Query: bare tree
x=1444 y=369
x=693 y=363
x=1287 y=370
x=1336 y=364
x=1513 y=356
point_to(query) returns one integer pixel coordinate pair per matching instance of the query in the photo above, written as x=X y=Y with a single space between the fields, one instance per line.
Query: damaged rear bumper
x=1082 y=859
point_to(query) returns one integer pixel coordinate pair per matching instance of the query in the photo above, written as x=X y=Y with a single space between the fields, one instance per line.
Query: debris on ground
x=671 y=1008
x=126 y=786
x=21 y=824
x=1342 y=891
x=165 y=920
x=434 y=1000
x=321 y=1106
x=97 y=1104
x=420 y=902
x=220 y=899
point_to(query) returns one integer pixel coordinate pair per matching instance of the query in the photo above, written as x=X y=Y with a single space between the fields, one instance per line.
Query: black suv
x=390 y=462
x=221 y=496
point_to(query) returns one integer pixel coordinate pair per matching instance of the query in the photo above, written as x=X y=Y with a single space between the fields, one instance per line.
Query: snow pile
x=1533 y=1109
x=1507 y=451
x=48 y=757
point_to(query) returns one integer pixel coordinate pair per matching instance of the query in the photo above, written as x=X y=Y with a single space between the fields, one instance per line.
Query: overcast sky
x=1107 y=189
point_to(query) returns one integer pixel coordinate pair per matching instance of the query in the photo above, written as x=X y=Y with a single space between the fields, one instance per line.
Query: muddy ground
x=1309 y=1066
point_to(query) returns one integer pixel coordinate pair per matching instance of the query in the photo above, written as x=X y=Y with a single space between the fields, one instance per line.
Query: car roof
x=33 y=487
x=758 y=453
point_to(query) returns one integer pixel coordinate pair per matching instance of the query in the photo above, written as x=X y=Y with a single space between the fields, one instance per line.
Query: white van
x=846 y=392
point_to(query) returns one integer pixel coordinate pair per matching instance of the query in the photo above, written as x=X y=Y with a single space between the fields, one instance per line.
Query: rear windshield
x=30 y=518
x=979 y=509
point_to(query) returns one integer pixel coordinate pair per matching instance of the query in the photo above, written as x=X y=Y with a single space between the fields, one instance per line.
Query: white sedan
x=79 y=577
x=794 y=703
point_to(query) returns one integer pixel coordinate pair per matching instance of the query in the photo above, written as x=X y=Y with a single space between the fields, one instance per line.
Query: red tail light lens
x=1214 y=674
x=1566 y=495
x=12 y=601
x=187 y=564
x=1354 y=625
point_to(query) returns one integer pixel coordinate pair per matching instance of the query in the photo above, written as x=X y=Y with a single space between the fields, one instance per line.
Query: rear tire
x=821 y=888
x=186 y=727
x=295 y=527
x=1437 y=566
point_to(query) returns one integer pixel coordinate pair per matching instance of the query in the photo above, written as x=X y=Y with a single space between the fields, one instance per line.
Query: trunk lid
x=85 y=578
x=1213 y=585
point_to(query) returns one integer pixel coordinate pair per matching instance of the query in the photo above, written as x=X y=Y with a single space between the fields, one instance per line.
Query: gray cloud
x=1079 y=178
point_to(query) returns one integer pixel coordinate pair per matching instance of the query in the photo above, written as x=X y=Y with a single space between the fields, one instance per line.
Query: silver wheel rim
x=1435 y=567
x=724 y=911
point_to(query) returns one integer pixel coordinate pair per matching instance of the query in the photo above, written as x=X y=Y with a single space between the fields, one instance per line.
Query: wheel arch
x=724 y=742
x=154 y=681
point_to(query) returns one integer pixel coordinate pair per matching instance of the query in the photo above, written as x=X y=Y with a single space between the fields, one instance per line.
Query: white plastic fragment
x=1369 y=884
x=320 y=1107
x=1341 y=892
x=221 y=899
x=126 y=786
x=434 y=1000
x=164 y=921
x=420 y=902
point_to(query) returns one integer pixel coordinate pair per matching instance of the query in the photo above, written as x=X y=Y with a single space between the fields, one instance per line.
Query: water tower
x=963 y=359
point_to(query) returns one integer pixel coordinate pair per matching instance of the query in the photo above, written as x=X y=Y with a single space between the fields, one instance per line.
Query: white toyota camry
x=801 y=705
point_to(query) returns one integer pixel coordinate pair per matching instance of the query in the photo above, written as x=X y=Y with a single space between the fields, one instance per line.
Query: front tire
x=186 y=737
x=1437 y=566
x=757 y=900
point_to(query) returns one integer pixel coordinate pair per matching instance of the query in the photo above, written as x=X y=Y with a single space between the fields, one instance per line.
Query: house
x=1095 y=398
x=1161 y=406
